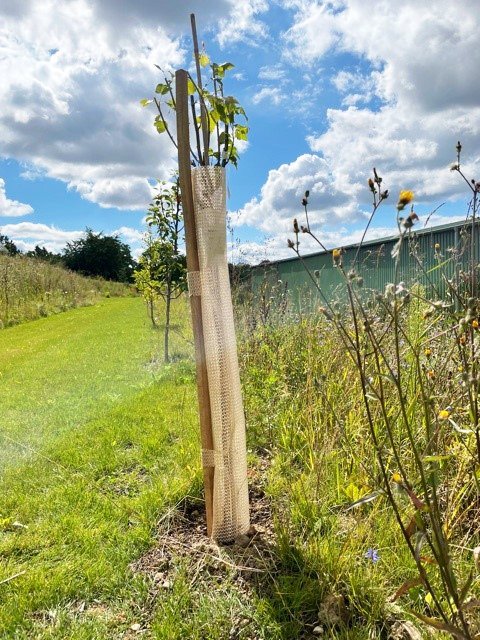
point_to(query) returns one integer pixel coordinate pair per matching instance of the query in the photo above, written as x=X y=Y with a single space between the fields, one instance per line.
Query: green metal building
x=428 y=257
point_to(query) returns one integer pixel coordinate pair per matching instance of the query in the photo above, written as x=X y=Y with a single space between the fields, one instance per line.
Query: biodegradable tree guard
x=218 y=380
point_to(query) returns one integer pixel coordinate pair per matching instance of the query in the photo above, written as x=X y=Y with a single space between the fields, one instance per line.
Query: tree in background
x=162 y=270
x=44 y=254
x=99 y=255
x=7 y=246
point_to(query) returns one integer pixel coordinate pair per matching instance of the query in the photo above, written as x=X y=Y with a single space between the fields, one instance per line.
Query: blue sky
x=331 y=90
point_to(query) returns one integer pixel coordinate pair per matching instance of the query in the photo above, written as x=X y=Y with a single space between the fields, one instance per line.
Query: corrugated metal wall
x=419 y=263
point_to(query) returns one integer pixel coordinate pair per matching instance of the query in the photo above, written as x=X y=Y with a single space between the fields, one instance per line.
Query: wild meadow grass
x=32 y=288
x=336 y=529
x=378 y=431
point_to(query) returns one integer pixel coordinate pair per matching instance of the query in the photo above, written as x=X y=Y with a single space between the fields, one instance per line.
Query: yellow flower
x=475 y=324
x=337 y=257
x=404 y=198
x=437 y=246
x=428 y=352
x=444 y=414
x=431 y=374
x=337 y=253
x=396 y=477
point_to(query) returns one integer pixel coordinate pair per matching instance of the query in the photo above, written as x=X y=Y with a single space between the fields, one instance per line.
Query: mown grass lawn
x=95 y=444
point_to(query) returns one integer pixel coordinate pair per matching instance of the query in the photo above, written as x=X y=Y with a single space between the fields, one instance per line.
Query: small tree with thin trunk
x=162 y=268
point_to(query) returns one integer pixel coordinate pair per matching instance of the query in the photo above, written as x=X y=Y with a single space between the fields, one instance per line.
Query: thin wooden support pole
x=184 y=169
x=203 y=110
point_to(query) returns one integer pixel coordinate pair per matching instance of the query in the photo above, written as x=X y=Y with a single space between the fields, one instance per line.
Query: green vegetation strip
x=93 y=450
x=32 y=288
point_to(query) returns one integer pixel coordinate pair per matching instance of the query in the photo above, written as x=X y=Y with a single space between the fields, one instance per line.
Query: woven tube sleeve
x=230 y=494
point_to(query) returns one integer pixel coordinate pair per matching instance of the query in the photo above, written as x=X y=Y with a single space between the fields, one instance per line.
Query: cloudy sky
x=331 y=89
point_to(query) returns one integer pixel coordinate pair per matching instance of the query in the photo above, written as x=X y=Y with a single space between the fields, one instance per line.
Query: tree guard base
x=228 y=456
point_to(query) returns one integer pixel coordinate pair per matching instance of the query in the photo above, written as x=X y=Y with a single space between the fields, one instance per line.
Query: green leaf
x=211 y=121
x=217 y=70
x=352 y=491
x=436 y=458
x=145 y=102
x=241 y=110
x=191 y=87
x=241 y=132
x=203 y=59
x=160 y=125
x=162 y=89
x=226 y=66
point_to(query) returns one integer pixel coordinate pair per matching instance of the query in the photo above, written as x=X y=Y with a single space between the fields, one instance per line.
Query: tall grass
x=336 y=525
x=31 y=288
x=370 y=412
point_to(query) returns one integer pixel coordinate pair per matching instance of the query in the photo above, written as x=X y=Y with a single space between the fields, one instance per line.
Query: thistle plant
x=417 y=364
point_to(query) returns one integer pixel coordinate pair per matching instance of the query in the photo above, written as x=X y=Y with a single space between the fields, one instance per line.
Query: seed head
x=410 y=220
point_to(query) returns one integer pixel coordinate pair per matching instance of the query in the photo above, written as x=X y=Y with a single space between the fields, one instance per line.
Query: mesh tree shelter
x=222 y=419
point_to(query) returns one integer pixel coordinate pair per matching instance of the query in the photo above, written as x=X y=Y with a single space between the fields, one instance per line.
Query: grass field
x=93 y=450
x=100 y=440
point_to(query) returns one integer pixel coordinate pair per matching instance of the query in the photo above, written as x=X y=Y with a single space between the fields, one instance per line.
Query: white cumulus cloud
x=72 y=77
x=26 y=235
x=409 y=94
x=12 y=208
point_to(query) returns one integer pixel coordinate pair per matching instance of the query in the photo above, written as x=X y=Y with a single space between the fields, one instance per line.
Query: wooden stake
x=203 y=110
x=184 y=168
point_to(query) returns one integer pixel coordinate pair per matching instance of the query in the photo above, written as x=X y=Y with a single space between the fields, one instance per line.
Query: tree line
x=93 y=255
